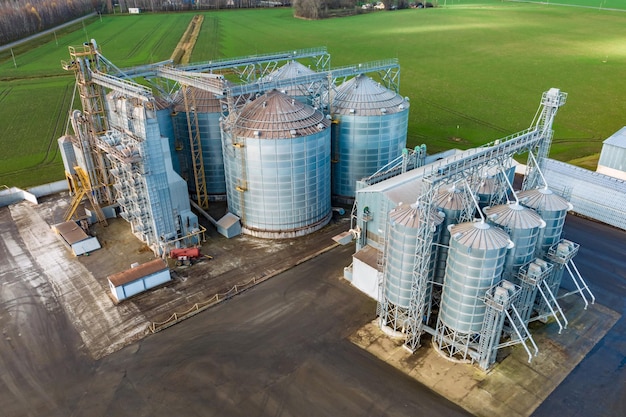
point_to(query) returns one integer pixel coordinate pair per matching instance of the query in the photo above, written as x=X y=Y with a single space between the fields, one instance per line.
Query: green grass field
x=474 y=71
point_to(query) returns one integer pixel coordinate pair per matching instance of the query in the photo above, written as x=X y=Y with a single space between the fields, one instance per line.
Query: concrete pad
x=513 y=387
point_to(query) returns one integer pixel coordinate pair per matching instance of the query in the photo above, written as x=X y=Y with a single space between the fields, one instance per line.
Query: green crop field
x=473 y=70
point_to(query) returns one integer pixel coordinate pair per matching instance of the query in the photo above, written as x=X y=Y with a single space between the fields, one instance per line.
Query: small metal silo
x=207 y=111
x=277 y=161
x=475 y=263
x=369 y=131
x=523 y=226
x=452 y=201
x=404 y=222
x=486 y=191
x=553 y=209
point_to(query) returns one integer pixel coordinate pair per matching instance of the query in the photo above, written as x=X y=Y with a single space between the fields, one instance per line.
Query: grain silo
x=452 y=201
x=486 y=191
x=552 y=208
x=291 y=70
x=523 y=226
x=277 y=161
x=207 y=112
x=404 y=223
x=475 y=264
x=369 y=131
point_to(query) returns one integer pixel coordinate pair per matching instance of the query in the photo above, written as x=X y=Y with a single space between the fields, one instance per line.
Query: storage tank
x=369 y=131
x=208 y=111
x=475 y=263
x=523 y=226
x=553 y=209
x=291 y=70
x=404 y=222
x=486 y=191
x=277 y=160
x=451 y=200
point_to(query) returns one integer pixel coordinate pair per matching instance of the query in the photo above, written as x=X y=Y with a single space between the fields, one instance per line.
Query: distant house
x=613 y=156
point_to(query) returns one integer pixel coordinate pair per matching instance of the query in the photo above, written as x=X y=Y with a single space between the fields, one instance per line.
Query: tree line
x=21 y=18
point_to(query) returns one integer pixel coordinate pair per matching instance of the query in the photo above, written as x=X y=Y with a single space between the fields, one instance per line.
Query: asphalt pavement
x=279 y=349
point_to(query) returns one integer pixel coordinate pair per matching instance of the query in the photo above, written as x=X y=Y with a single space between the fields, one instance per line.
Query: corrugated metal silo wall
x=212 y=156
x=400 y=262
x=524 y=237
x=364 y=144
x=452 y=217
x=287 y=181
x=469 y=274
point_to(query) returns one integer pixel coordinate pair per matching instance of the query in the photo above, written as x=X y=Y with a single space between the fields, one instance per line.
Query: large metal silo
x=207 y=111
x=475 y=263
x=404 y=222
x=452 y=201
x=369 y=131
x=277 y=161
x=291 y=70
x=523 y=226
x=553 y=209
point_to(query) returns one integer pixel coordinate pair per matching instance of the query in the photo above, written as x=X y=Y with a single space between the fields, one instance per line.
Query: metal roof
x=291 y=70
x=141 y=271
x=275 y=115
x=204 y=101
x=480 y=235
x=408 y=215
x=369 y=255
x=514 y=216
x=543 y=199
x=487 y=185
x=71 y=232
x=617 y=139
x=450 y=198
x=362 y=96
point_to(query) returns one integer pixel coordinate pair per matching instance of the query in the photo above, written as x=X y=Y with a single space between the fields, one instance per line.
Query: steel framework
x=467 y=166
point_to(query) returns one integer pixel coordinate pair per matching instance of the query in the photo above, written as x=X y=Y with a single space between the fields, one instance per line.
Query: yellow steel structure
x=195 y=147
x=83 y=62
x=83 y=189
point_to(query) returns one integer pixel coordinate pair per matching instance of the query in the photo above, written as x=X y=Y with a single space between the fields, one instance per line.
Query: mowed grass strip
x=599 y=4
x=473 y=74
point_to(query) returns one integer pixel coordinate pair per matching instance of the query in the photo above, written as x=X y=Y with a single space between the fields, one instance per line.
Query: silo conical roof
x=514 y=216
x=450 y=198
x=408 y=215
x=487 y=185
x=275 y=115
x=161 y=103
x=204 y=101
x=480 y=235
x=543 y=199
x=362 y=96
x=290 y=70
